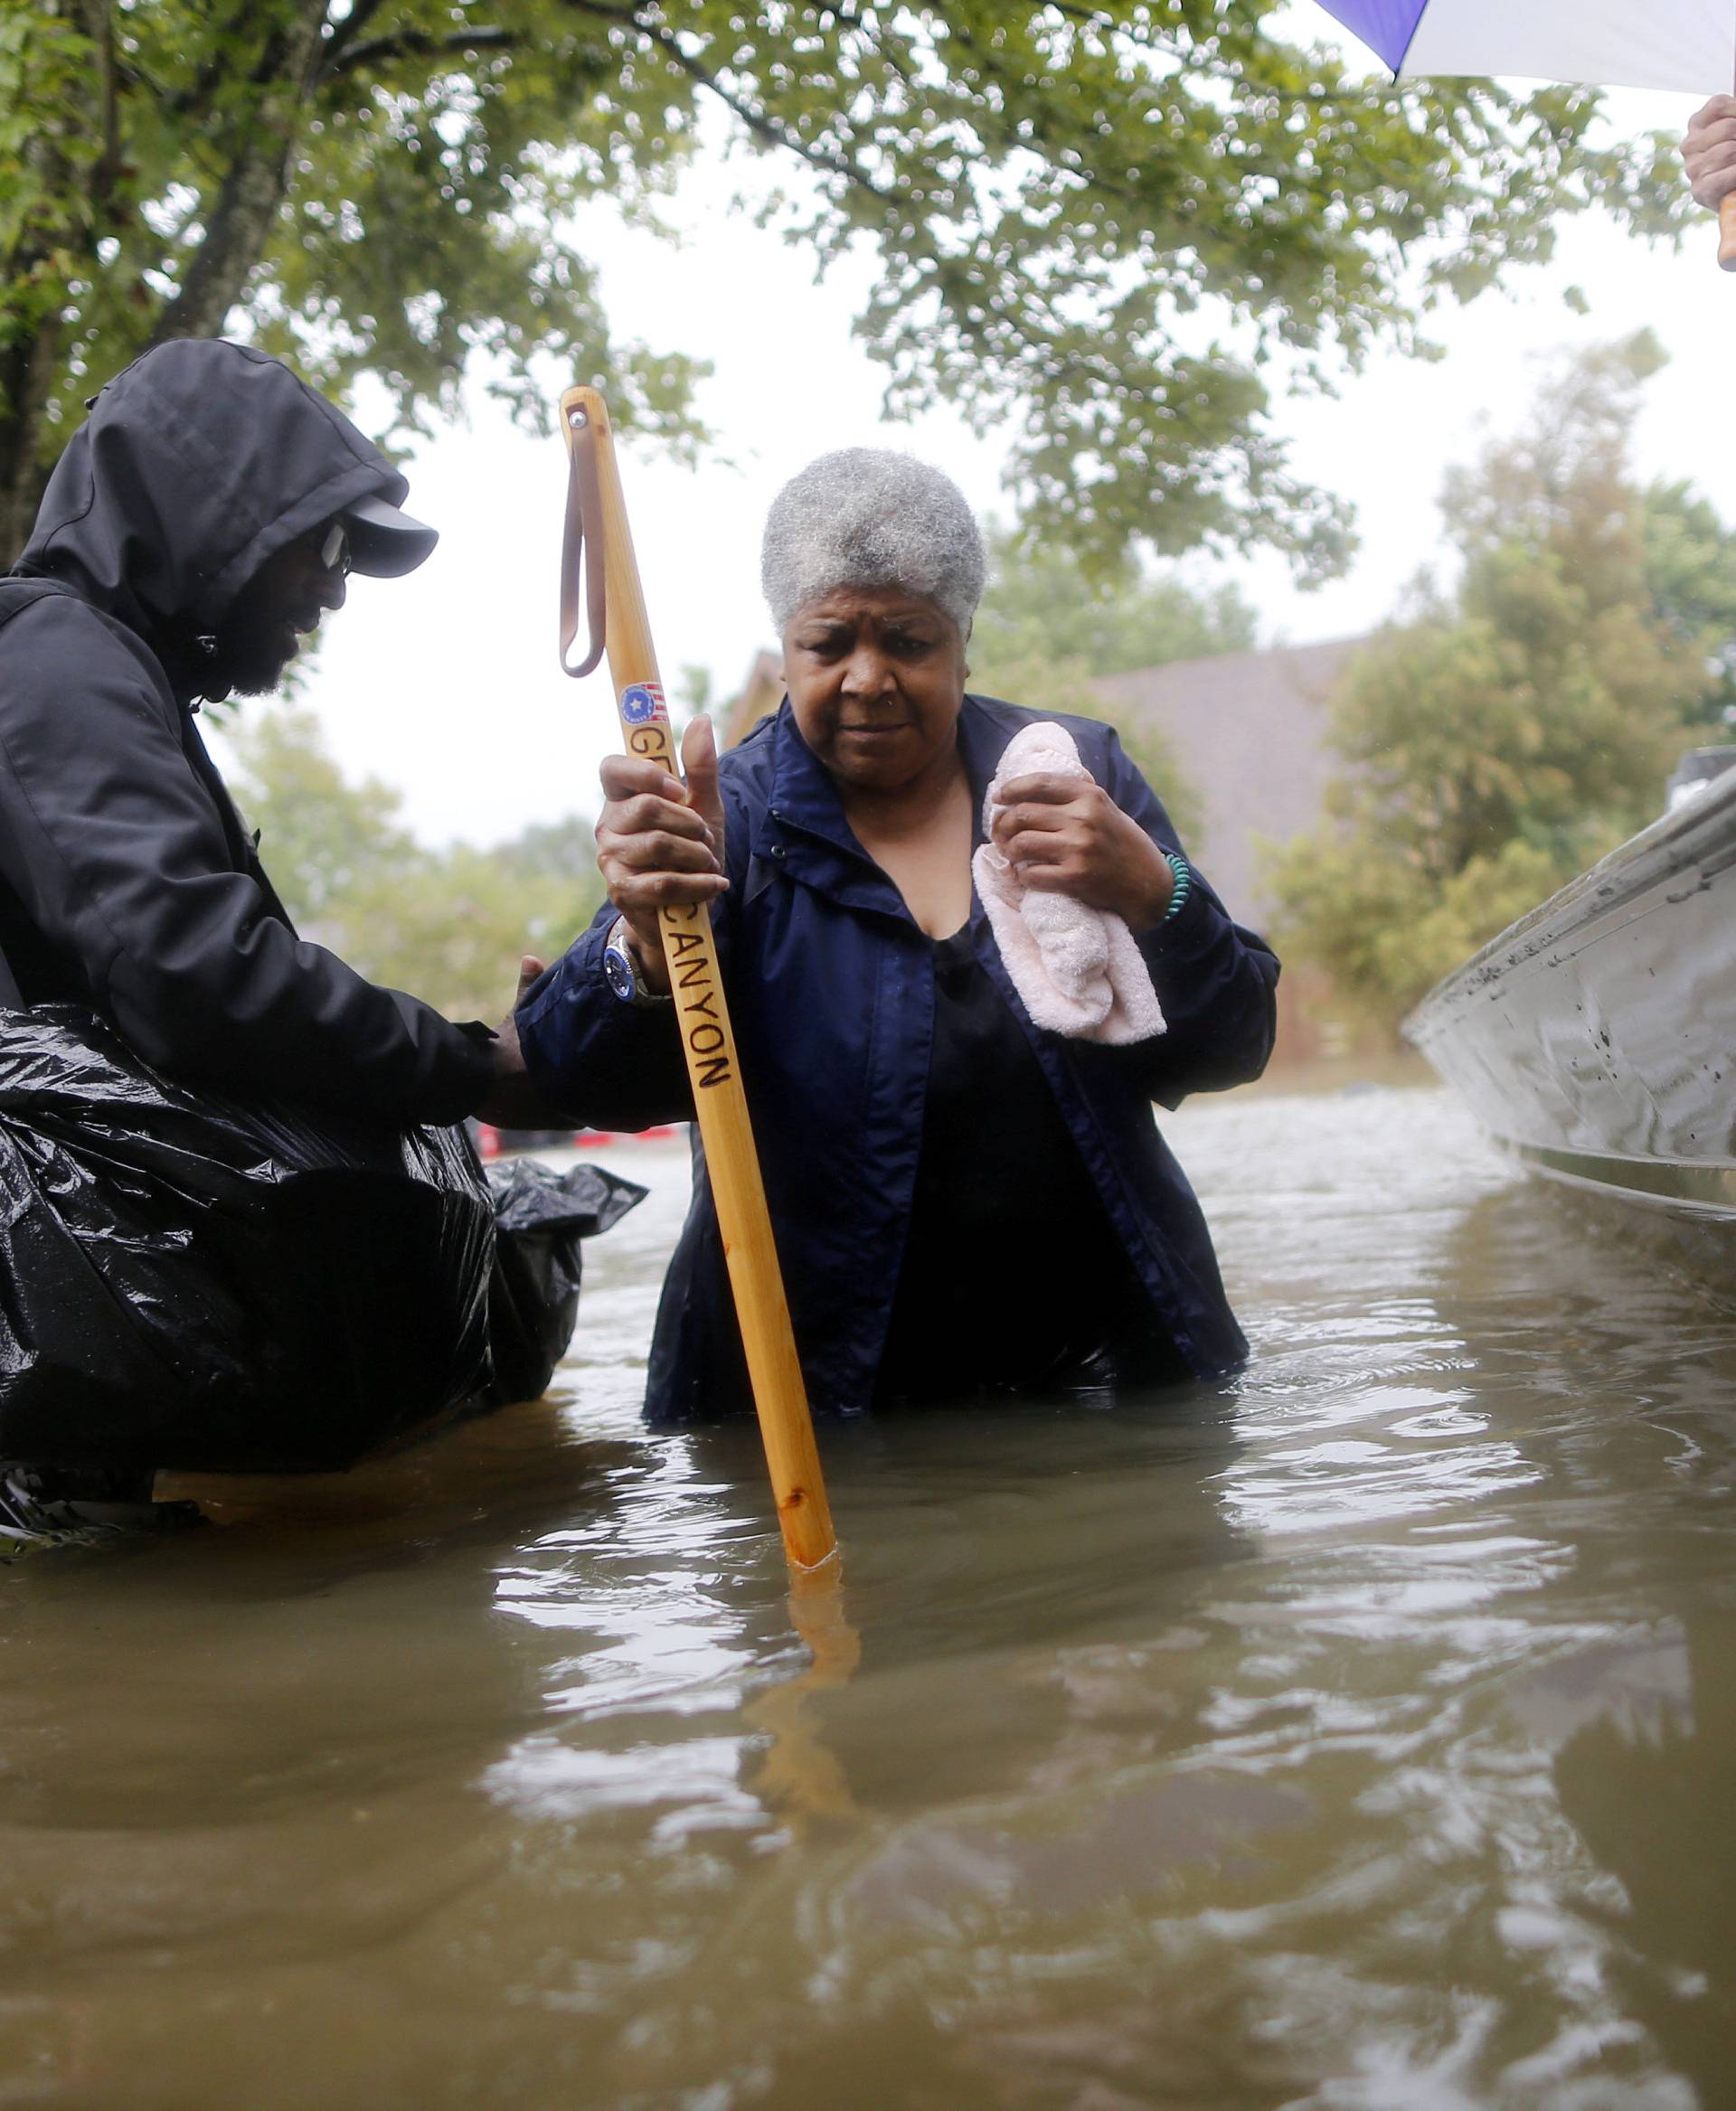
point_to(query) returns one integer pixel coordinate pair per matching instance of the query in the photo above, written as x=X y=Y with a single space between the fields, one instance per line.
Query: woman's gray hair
x=870 y=517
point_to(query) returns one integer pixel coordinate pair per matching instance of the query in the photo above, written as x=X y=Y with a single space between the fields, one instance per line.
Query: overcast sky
x=446 y=684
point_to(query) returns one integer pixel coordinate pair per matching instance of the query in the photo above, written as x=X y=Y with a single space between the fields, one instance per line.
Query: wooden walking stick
x=597 y=525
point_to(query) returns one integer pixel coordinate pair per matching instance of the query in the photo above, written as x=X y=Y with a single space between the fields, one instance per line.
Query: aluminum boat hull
x=1596 y=1039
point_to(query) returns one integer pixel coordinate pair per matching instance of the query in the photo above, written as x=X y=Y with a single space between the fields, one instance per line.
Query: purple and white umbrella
x=1688 y=45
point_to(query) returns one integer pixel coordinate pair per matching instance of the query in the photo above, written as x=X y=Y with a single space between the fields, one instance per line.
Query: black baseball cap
x=384 y=542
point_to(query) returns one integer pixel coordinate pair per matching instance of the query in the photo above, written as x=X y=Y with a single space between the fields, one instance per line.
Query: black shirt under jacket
x=1013 y=1278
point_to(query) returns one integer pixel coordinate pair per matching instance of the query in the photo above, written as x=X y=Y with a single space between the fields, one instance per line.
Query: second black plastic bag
x=186 y=1282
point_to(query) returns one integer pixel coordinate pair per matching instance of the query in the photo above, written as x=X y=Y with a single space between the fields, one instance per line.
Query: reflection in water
x=1648 y=1771
x=797 y=1776
x=1356 y=1736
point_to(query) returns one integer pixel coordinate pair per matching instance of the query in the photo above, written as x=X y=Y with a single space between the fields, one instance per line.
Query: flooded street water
x=1360 y=1735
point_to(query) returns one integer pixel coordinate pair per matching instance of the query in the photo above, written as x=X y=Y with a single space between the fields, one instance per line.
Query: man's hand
x=656 y=844
x=1708 y=150
x=512 y=1102
x=1065 y=834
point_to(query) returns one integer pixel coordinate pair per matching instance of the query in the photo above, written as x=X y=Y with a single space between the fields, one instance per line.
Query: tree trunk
x=28 y=363
x=238 y=227
x=26 y=377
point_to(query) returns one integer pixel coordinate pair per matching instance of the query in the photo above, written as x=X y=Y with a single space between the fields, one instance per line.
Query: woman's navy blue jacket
x=831 y=991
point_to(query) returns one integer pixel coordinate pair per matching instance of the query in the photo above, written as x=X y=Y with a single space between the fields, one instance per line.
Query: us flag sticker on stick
x=641 y=701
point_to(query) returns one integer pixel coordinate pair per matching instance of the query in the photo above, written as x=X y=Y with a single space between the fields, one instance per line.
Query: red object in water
x=659 y=1134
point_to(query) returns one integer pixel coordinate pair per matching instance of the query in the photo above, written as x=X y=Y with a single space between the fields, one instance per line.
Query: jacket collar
x=803 y=831
x=984 y=728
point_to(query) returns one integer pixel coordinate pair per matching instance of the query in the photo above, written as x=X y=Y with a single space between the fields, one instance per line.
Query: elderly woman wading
x=965 y=1201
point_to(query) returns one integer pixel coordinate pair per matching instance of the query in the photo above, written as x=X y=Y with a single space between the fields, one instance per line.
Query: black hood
x=195 y=465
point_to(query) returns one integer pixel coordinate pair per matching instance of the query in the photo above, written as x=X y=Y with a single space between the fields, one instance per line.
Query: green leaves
x=1042 y=601
x=1690 y=577
x=47 y=145
x=1116 y=234
x=1499 y=741
x=1110 y=228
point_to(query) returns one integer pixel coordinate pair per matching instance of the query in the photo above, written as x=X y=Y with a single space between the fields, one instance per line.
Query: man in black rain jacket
x=193 y=531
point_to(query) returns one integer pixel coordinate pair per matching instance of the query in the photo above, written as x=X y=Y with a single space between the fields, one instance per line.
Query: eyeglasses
x=334 y=549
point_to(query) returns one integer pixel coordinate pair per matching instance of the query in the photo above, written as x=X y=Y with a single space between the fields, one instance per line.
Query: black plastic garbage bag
x=539 y=1218
x=187 y=1282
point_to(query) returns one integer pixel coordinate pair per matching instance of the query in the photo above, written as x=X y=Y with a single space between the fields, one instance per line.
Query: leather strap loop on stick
x=582 y=541
x=596 y=516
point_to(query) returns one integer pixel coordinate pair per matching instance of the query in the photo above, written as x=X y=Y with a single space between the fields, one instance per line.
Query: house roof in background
x=760 y=696
x=1248 y=730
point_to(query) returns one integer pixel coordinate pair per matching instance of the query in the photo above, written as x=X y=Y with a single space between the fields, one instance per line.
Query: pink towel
x=1077 y=968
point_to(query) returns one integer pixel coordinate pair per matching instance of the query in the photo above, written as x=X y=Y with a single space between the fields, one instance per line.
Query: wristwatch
x=621 y=970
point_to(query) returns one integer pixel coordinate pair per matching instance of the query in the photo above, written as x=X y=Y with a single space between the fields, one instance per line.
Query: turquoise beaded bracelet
x=1183 y=880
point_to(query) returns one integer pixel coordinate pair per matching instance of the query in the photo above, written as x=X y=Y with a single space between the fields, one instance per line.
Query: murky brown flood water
x=1365 y=1737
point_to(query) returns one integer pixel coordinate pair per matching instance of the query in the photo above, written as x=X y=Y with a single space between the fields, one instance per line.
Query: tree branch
x=345 y=33
x=757 y=121
x=413 y=43
x=99 y=26
x=238 y=227
x=196 y=101
x=1088 y=17
x=760 y=123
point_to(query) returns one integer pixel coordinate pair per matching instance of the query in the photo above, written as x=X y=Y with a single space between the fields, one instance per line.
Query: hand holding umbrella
x=1709 y=151
x=1606 y=44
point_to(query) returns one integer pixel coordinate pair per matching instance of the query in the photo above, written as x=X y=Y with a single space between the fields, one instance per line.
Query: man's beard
x=242 y=666
x=250 y=650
